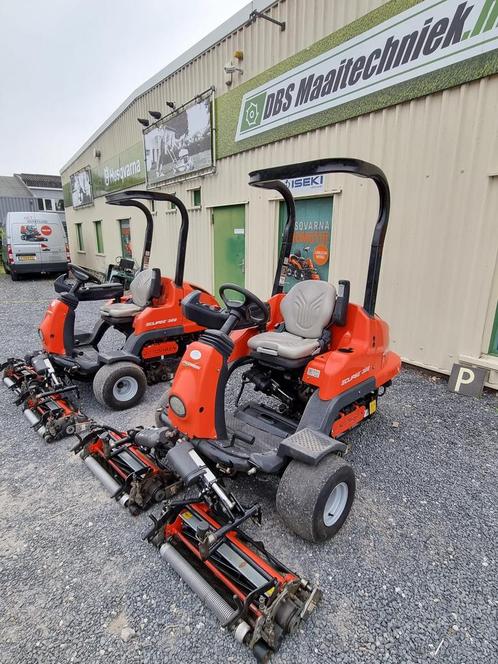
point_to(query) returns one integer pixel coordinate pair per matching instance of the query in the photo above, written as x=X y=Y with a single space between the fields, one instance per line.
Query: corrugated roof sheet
x=12 y=187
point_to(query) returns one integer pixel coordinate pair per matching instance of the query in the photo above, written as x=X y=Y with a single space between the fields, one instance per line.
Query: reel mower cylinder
x=221 y=609
x=8 y=382
x=33 y=419
x=106 y=480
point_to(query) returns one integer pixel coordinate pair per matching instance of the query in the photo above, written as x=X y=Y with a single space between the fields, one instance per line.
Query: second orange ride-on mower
x=151 y=319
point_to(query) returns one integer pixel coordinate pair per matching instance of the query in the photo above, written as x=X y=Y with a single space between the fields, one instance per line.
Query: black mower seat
x=144 y=287
x=307 y=310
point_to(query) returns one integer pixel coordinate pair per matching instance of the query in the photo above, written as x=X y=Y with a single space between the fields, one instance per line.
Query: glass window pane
x=79 y=235
x=125 y=232
x=48 y=204
x=98 y=237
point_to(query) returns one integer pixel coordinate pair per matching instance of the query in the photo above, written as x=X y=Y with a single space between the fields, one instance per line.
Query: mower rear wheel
x=119 y=386
x=314 y=501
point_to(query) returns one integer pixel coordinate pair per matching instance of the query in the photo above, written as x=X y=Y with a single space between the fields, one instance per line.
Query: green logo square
x=252 y=113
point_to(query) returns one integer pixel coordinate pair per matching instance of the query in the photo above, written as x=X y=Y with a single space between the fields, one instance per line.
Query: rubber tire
x=107 y=376
x=162 y=409
x=303 y=492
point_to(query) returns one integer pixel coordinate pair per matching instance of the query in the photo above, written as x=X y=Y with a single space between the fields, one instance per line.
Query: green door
x=310 y=254
x=229 y=245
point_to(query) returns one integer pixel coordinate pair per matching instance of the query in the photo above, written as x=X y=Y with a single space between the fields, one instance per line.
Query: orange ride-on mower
x=323 y=361
x=151 y=319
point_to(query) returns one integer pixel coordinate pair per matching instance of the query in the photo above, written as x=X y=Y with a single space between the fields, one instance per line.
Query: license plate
x=27 y=257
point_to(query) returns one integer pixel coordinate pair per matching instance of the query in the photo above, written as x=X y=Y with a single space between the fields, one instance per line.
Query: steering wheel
x=254 y=309
x=82 y=275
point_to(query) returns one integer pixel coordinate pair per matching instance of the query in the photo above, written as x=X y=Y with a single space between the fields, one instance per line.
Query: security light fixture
x=143 y=121
x=154 y=114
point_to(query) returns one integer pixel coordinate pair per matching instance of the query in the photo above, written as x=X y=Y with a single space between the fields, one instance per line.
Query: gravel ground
x=410 y=578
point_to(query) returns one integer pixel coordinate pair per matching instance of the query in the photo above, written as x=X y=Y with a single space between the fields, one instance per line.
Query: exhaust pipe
x=221 y=609
x=107 y=480
x=33 y=419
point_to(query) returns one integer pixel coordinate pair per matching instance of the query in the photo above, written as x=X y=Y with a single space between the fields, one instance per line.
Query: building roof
x=230 y=25
x=12 y=187
x=41 y=181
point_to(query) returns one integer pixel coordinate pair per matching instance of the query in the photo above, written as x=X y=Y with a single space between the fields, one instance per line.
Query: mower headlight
x=177 y=406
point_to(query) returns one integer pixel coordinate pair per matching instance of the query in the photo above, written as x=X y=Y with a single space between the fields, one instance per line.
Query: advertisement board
x=179 y=144
x=81 y=188
x=122 y=171
x=310 y=253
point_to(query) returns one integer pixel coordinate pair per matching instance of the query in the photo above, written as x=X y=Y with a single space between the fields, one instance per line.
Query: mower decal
x=313 y=372
x=354 y=376
x=190 y=364
x=195 y=354
x=165 y=321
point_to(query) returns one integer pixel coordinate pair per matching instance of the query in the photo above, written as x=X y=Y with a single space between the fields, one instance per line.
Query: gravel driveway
x=411 y=577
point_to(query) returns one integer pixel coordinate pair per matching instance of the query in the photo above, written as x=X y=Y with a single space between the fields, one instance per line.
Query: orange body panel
x=52 y=327
x=166 y=310
x=347 y=421
x=358 y=352
x=196 y=382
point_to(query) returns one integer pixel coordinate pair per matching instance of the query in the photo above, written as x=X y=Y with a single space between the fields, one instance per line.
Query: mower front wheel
x=119 y=386
x=314 y=501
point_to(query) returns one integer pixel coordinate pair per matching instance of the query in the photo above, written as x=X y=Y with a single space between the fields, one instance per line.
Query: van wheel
x=314 y=501
x=119 y=386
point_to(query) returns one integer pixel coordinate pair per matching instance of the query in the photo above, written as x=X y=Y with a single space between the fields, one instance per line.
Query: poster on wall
x=179 y=144
x=81 y=188
x=310 y=252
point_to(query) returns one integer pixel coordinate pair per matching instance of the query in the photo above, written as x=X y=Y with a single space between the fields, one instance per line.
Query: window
x=196 y=197
x=48 y=204
x=125 y=232
x=98 y=237
x=59 y=205
x=40 y=203
x=79 y=237
x=493 y=346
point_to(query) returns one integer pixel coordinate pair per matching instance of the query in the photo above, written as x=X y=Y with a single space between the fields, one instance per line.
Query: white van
x=33 y=242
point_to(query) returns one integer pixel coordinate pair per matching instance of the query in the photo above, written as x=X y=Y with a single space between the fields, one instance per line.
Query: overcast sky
x=66 y=65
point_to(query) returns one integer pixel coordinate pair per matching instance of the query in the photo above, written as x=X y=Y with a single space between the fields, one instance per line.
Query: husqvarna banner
x=431 y=35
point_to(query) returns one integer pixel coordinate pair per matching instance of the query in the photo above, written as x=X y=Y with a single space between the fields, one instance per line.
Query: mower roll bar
x=270 y=178
x=132 y=198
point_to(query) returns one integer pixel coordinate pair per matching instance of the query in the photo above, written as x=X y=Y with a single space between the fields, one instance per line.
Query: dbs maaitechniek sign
x=431 y=35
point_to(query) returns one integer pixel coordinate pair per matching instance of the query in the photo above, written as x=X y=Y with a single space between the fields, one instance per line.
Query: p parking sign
x=468 y=381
